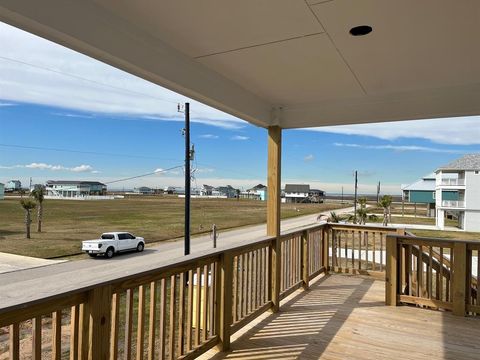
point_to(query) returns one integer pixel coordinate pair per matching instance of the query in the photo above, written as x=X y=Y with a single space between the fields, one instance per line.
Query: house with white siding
x=463 y=177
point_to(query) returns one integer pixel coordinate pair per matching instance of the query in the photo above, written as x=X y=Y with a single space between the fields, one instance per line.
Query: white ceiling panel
x=204 y=27
x=303 y=70
x=414 y=44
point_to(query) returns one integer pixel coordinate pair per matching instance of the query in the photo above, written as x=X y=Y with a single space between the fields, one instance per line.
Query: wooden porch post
x=99 y=310
x=391 y=276
x=459 y=278
x=273 y=207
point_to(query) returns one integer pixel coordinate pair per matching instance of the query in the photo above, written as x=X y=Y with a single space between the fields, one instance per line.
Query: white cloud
x=239 y=138
x=208 y=136
x=454 y=131
x=38 y=71
x=5 y=104
x=43 y=166
x=400 y=148
x=158 y=170
x=82 y=168
x=309 y=157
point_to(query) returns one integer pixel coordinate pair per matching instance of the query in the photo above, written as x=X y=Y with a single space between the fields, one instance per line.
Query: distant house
x=422 y=191
x=144 y=190
x=296 y=193
x=2 y=191
x=13 y=185
x=316 y=196
x=72 y=188
x=457 y=189
x=258 y=192
x=206 y=190
x=228 y=191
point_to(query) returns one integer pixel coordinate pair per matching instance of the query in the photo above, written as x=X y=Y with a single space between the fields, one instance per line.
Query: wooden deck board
x=344 y=317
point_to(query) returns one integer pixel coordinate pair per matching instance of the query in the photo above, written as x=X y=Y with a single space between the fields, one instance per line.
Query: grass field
x=450 y=235
x=67 y=223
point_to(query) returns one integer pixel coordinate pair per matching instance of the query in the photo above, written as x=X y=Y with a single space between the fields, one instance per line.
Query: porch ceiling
x=422 y=59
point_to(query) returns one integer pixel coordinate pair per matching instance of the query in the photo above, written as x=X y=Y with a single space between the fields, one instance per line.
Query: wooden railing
x=434 y=273
x=359 y=249
x=184 y=308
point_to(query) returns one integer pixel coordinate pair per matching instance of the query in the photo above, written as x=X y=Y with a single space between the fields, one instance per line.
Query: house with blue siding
x=423 y=191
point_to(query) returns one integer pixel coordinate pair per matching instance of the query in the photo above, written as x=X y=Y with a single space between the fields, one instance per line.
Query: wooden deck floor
x=344 y=317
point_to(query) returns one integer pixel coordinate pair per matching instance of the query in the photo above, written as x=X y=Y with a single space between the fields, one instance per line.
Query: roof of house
x=317 y=190
x=466 y=162
x=297 y=188
x=426 y=183
x=258 y=187
x=74 y=182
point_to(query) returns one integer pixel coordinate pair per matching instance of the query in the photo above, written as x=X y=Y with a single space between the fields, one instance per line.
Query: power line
x=59 y=72
x=139 y=176
x=84 y=152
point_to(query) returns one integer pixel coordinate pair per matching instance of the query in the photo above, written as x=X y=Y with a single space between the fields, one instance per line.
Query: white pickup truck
x=111 y=243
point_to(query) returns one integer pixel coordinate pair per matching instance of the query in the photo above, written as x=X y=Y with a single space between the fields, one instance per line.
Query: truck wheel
x=109 y=253
x=140 y=247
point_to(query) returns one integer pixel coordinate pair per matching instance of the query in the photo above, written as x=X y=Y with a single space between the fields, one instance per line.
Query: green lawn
x=157 y=218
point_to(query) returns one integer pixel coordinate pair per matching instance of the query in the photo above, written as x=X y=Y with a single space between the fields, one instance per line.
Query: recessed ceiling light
x=360 y=30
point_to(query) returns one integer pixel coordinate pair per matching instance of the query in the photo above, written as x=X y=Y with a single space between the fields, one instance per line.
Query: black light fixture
x=360 y=30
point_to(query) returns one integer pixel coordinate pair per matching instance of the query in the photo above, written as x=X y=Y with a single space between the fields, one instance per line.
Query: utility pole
x=214 y=235
x=342 y=194
x=187 y=178
x=355 y=201
x=378 y=192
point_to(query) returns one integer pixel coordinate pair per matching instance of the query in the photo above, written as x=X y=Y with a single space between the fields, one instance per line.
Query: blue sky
x=66 y=116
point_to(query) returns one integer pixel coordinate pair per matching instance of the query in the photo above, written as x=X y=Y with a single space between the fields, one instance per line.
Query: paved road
x=30 y=284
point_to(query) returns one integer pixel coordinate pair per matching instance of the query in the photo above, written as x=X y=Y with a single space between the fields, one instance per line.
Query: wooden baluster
x=83 y=328
x=115 y=324
x=189 y=310
x=14 y=341
x=440 y=282
x=225 y=303
x=408 y=265
x=420 y=272
x=240 y=288
x=365 y=237
x=254 y=279
x=205 y=302
x=181 y=314
x=211 y=298
x=478 y=279
x=235 y=290
x=353 y=249
x=162 y=319
x=128 y=324
x=57 y=335
x=360 y=250
x=100 y=311
x=382 y=250
x=197 y=308
x=152 y=320
x=173 y=316
x=374 y=265
x=430 y=272
x=250 y=280
x=258 y=290
x=140 y=322
x=37 y=337
x=305 y=259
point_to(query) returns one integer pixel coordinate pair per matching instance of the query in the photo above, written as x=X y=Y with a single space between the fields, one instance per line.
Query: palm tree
x=363 y=202
x=385 y=202
x=28 y=205
x=334 y=217
x=39 y=195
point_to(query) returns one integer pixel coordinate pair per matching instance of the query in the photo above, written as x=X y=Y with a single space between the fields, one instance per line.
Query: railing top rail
x=364 y=227
x=431 y=239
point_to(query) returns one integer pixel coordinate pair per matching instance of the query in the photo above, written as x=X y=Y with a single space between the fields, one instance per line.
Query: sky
x=65 y=116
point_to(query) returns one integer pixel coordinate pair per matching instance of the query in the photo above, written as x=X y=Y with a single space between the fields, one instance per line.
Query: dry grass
x=451 y=235
x=157 y=218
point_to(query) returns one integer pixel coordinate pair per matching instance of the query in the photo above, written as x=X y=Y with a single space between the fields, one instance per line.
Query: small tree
x=334 y=217
x=39 y=195
x=385 y=202
x=28 y=205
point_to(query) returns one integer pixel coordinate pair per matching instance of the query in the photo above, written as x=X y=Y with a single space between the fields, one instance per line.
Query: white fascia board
x=414 y=105
x=88 y=28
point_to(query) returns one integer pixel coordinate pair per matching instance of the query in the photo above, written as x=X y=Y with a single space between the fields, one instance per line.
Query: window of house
x=434 y=195
x=477 y=172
